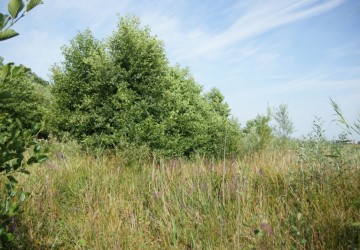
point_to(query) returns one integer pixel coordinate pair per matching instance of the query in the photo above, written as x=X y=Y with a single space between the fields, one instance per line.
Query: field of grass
x=277 y=199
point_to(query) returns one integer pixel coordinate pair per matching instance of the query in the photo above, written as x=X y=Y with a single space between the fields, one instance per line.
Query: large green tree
x=123 y=91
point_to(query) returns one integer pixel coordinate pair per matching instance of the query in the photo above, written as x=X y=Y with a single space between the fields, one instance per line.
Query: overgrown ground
x=277 y=199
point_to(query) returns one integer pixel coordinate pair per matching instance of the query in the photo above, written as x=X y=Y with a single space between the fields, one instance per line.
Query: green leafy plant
x=27 y=96
x=348 y=128
x=13 y=147
x=17 y=128
x=15 y=140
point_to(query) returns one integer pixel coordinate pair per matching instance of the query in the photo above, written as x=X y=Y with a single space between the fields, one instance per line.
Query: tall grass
x=271 y=200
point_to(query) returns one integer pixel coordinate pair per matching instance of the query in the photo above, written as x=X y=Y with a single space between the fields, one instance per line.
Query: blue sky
x=258 y=53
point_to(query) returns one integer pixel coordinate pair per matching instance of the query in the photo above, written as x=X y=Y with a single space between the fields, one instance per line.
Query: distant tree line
x=122 y=93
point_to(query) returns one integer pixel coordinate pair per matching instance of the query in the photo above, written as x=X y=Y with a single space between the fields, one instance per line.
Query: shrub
x=18 y=112
x=257 y=134
x=27 y=100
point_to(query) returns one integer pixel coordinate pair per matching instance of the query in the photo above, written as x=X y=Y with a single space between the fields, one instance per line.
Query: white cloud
x=264 y=16
x=348 y=49
x=311 y=83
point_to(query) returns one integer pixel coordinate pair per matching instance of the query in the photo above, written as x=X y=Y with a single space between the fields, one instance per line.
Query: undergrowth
x=283 y=199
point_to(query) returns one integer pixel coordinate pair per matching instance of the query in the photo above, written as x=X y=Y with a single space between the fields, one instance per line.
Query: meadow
x=122 y=150
x=294 y=197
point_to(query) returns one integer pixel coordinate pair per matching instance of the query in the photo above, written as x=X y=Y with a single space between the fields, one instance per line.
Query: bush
x=27 y=100
x=257 y=134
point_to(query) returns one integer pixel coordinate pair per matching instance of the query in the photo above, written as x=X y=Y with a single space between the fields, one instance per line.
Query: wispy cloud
x=349 y=49
x=306 y=91
x=311 y=83
x=185 y=41
x=264 y=16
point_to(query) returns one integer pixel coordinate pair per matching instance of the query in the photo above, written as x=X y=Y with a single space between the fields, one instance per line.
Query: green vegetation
x=258 y=134
x=272 y=200
x=26 y=97
x=284 y=126
x=20 y=110
x=141 y=158
x=123 y=93
x=17 y=10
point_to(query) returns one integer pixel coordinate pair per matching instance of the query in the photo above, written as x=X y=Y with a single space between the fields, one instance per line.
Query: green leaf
x=12 y=179
x=7 y=34
x=7 y=206
x=5 y=72
x=15 y=133
x=31 y=160
x=18 y=122
x=41 y=158
x=35 y=128
x=10 y=237
x=24 y=171
x=4 y=19
x=13 y=209
x=22 y=197
x=82 y=242
x=18 y=70
x=332 y=156
x=15 y=6
x=32 y=4
x=37 y=149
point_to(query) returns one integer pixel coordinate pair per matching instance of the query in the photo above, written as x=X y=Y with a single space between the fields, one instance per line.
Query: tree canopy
x=123 y=91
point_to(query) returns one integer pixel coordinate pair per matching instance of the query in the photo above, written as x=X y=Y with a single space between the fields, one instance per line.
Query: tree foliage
x=123 y=91
x=217 y=102
x=27 y=100
x=284 y=126
x=258 y=134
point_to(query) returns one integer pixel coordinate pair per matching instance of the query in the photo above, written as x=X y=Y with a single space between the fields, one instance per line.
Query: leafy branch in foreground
x=17 y=10
x=15 y=139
